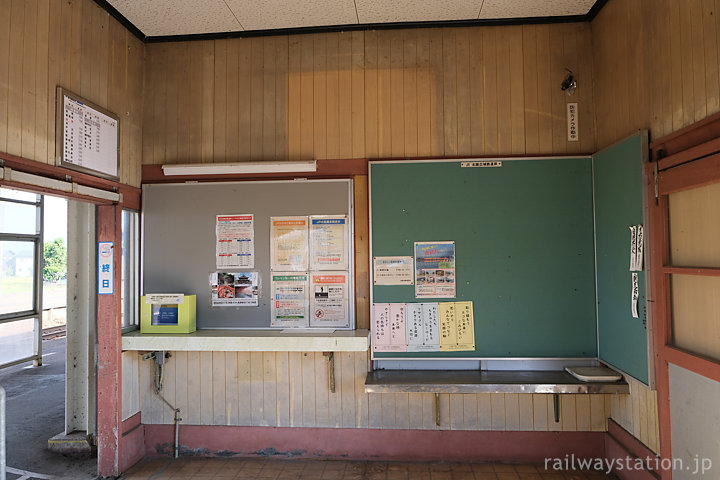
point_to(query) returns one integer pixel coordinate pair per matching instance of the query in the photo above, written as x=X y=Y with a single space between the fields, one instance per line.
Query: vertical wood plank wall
x=655 y=67
x=77 y=45
x=375 y=94
x=290 y=389
x=390 y=93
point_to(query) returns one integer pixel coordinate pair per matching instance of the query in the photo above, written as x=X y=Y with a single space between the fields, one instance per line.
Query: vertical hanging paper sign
x=422 y=327
x=633 y=248
x=448 y=326
x=431 y=327
x=388 y=327
x=639 y=250
x=380 y=326
x=465 y=325
x=635 y=295
x=398 y=322
x=573 y=134
x=106 y=270
x=414 y=325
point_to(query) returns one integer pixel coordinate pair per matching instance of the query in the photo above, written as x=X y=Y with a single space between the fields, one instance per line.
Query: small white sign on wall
x=106 y=272
x=573 y=134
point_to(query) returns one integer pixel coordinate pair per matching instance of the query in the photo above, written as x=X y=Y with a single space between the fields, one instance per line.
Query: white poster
x=393 y=270
x=289 y=243
x=423 y=327
x=633 y=248
x=329 y=299
x=240 y=289
x=328 y=242
x=290 y=301
x=639 y=250
x=235 y=246
x=635 y=295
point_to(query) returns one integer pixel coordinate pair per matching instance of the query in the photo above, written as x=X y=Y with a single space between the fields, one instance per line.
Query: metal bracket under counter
x=478 y=381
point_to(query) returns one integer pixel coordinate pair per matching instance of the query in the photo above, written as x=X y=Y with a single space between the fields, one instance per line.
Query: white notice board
x=87 y=138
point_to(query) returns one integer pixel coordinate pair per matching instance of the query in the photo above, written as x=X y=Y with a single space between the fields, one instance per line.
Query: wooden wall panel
x=130 y=384
x=637 y=413
x=375 y=94
x=655 y=66
x=77 y=45
x=666 y=52
x=292 y=389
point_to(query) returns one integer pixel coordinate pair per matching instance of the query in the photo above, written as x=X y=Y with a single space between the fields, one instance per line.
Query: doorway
x=47 y=337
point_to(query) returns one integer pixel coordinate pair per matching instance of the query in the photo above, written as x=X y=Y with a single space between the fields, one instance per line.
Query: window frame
x=35 y=312
x=132 y=286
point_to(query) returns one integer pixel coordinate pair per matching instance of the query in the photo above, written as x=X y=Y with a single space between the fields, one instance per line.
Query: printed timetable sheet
x=235 y=245
x=423 y=327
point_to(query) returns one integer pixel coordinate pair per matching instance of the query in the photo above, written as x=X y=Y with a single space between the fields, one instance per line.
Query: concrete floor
x=35 y=413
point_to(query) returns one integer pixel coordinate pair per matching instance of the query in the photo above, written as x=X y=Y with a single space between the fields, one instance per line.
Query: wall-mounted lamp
x=569 y=84
x=190 y=169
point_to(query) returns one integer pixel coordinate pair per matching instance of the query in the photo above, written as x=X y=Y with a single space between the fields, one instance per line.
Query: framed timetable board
x=87 y=136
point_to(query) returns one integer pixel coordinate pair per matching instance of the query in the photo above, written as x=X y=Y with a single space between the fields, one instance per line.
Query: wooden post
x=109 y=380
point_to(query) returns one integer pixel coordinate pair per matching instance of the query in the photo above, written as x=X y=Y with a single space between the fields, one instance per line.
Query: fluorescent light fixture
x=36 y=180
x=97 y=193
x=191 y=169
x=57 y=185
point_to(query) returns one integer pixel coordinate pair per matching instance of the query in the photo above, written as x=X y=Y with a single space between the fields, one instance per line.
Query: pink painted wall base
x=371 y=444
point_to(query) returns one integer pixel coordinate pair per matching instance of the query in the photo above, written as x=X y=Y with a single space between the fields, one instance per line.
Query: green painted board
x=619 y=200
x=524 y=253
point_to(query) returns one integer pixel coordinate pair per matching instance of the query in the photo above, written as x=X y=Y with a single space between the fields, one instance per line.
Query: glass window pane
x=18 y=195
x=18 y=218
x=695 y=312
x=55 y=252
x=17 y=340
x=17 y=266
x=129 y=268
x=695 y=227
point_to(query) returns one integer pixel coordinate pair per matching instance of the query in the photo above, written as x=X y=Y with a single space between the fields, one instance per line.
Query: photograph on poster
x=435 y=269
x=238 y=289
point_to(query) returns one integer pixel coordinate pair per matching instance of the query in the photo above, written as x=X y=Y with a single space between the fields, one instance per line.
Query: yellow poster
x=457 y=328
x=288 y=243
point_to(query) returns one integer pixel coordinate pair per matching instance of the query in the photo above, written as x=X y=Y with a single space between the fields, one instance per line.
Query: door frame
x=109 y=228
x=688 y=158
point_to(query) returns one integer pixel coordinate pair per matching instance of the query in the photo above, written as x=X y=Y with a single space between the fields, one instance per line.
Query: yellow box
x=168 y=318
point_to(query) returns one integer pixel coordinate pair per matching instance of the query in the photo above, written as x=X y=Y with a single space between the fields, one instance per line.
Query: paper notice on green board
x=388 y=327
x=434 y=269
x=457 y=326
x=423 y=328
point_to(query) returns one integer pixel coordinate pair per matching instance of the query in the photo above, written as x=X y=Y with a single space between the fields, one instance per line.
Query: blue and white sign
x=106 y=272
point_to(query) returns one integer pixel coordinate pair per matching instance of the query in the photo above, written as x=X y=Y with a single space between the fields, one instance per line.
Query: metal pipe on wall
x=3 y=458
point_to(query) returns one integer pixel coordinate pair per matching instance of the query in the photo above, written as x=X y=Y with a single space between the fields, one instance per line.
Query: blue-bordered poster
x=434 y=269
